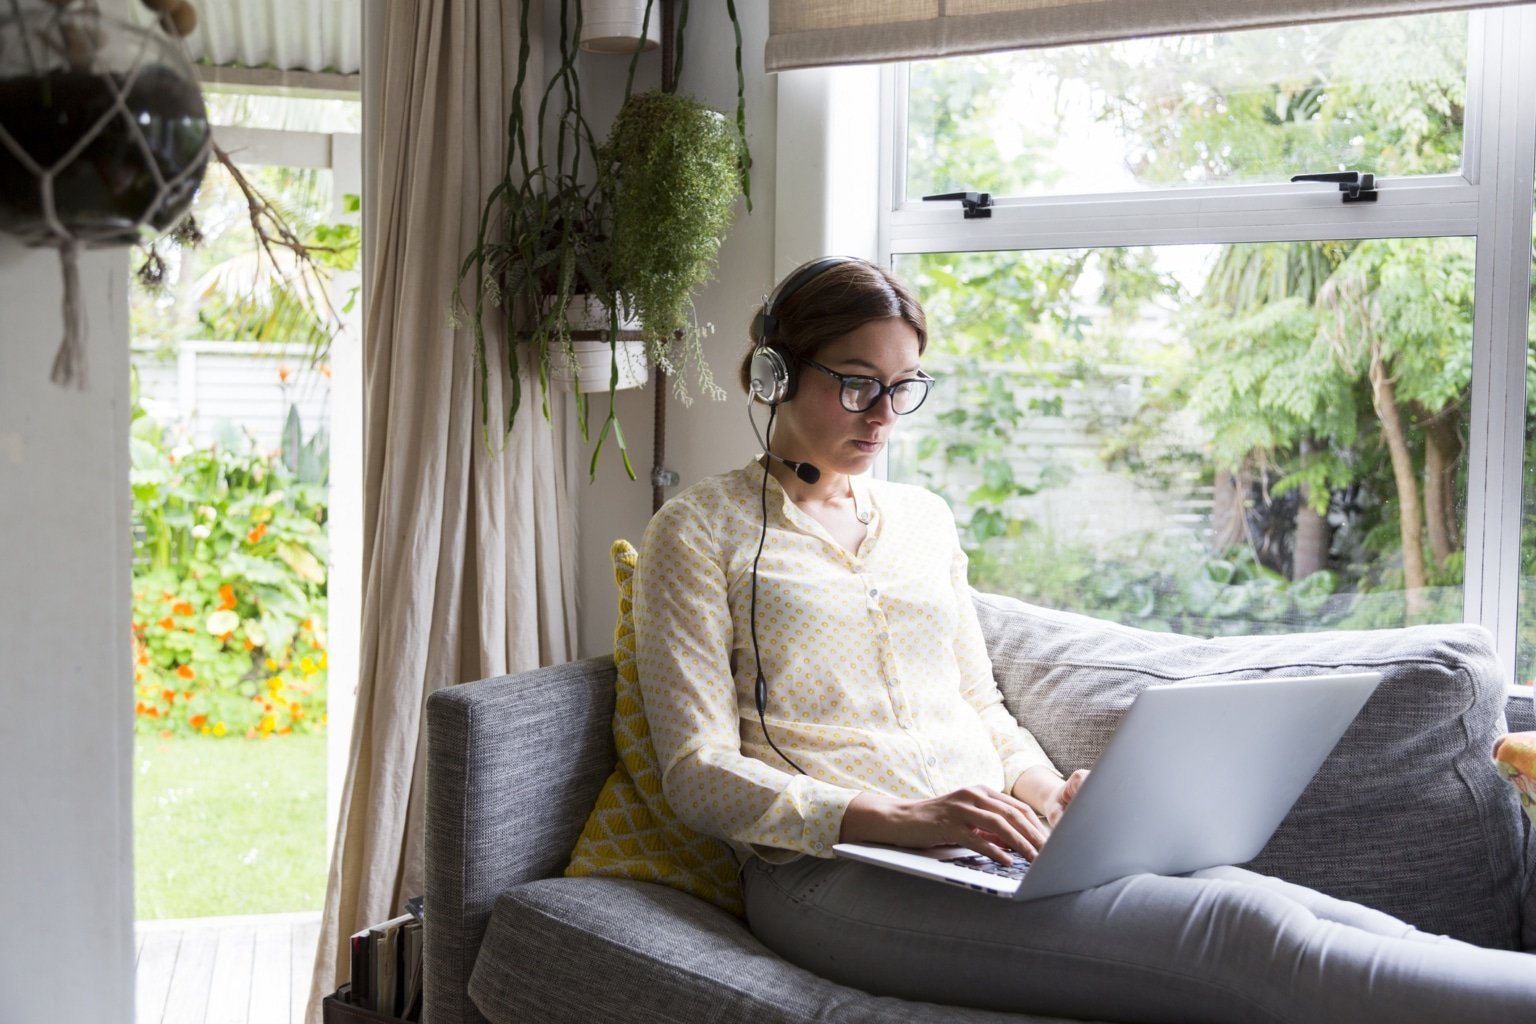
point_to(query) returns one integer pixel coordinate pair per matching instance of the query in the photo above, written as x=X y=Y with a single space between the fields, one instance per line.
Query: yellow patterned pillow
x=632 y=833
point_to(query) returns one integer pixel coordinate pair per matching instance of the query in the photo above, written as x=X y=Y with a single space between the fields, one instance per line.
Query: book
x=362 y=969
x=385 y=978
x=411 y=970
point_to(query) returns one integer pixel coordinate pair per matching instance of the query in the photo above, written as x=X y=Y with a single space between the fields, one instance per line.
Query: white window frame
x=1491 y=200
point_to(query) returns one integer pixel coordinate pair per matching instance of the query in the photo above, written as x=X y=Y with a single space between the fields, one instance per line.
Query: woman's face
x=814 y=427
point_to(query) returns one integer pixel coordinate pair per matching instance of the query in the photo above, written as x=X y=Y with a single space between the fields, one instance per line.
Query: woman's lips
x=867 y=446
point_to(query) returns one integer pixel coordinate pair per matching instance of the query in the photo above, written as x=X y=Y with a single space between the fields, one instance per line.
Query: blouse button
x=932 y=761
x=885 y=636
x=874 y=592
x=819 y=846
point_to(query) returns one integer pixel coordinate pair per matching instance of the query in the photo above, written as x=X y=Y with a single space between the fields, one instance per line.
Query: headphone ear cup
x=772 y=381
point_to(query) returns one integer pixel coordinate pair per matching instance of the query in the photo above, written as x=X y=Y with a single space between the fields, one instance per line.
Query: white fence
x=244 y=384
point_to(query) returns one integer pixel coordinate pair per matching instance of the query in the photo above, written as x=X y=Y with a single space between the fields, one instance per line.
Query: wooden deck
x=225 y=970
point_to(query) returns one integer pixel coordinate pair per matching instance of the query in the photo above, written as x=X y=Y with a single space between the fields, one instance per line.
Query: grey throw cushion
x=1408 y=815
x=647 y=954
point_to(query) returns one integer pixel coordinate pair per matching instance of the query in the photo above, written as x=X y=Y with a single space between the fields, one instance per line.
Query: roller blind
x=817 y=33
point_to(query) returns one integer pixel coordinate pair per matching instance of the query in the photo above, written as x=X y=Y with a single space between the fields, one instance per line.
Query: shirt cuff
x=821 y=807
x=1022 y=761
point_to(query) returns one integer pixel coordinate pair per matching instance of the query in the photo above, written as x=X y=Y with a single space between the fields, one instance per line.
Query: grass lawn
x=228 y=826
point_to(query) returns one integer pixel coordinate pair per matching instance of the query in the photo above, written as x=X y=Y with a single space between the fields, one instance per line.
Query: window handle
x=1357 y=187
x=976 y=204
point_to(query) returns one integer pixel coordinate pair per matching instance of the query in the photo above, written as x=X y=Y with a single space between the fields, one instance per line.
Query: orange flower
x=325 y=369
x=224 y=638
x=167 y=695
x=166 y=595
x=185 y=671
x=226 y=598
x=249 y=645
x=167 y=623
x=182 y=608
x=196 y=721
x=255 y=535
x=283 y=373
x=151 y=711
x=165 y=734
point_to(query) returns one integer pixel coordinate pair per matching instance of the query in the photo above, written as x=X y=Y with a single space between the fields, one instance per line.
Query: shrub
x=229 y=589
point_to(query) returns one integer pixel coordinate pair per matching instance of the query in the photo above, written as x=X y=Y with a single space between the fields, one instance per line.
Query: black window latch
x=976 y=204
x=1357 y=187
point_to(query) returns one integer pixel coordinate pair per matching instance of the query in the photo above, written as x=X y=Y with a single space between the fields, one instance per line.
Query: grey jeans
x=1222 y=945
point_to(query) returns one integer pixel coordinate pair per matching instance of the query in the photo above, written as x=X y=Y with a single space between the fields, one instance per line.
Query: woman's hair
x=835 y=302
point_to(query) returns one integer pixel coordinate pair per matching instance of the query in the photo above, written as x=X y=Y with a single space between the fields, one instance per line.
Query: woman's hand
x=980 y=819
x=1048 y=794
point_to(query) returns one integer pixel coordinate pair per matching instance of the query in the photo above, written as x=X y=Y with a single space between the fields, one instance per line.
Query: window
x=1181 y=390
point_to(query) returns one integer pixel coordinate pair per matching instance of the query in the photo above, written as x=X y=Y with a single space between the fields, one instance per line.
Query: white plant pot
x=589 y=366
x=613 y=26
x=590 y=363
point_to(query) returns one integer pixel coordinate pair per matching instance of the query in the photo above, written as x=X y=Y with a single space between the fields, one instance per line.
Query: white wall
x=709 y=437
x=66 y=837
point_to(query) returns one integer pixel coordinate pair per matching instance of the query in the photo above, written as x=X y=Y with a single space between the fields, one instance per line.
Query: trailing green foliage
x=671 y=166
x=550 y=229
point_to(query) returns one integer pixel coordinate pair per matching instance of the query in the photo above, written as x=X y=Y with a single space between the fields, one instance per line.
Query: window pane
x=1205 y=439
x=1385 y=96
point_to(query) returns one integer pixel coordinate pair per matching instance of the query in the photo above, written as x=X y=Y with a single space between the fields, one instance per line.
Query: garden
x=230 y=670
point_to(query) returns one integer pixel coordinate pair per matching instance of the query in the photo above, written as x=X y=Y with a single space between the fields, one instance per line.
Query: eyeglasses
x=860 y=394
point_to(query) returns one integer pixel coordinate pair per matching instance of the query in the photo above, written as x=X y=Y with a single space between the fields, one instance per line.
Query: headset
x=771 y=380
x=772 y=372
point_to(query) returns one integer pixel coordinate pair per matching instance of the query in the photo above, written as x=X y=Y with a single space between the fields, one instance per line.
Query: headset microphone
x=804 y=470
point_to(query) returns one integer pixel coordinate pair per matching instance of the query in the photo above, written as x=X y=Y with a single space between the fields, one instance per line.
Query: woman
x=813 y=672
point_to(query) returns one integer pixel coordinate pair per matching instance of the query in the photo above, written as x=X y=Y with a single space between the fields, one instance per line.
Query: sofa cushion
x=632 y=832
x=1408 y=815
x=646 y=954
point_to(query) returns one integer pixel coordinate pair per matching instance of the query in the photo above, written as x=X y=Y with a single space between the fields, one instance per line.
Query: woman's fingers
x=996 y=824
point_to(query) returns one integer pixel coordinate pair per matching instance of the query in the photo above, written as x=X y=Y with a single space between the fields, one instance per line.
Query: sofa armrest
x=514 y=765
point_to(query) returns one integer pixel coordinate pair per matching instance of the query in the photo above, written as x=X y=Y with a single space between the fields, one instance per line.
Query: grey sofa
x=1408 y=815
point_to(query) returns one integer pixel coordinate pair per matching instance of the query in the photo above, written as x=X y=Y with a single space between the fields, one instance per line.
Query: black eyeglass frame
x=885 y=389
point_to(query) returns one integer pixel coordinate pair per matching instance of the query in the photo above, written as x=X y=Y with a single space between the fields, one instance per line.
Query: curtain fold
x=468 y=553
x=814 y=33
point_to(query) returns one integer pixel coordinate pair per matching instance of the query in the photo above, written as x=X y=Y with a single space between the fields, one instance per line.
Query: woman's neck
x=829 y=488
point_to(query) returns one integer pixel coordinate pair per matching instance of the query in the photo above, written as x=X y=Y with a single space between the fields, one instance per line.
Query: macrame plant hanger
x=81 y=42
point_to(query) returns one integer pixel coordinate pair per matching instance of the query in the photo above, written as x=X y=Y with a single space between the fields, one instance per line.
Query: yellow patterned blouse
x=878 y=678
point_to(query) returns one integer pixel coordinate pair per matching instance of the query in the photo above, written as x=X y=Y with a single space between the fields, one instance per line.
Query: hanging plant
x=673 y=175
x=547 y=237
x=103 y=139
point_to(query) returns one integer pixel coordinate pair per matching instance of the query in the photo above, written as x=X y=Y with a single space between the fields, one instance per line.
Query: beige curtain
x=817 y=33
x=468 y=560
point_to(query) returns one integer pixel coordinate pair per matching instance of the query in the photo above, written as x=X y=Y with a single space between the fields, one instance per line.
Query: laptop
x=1197 y=774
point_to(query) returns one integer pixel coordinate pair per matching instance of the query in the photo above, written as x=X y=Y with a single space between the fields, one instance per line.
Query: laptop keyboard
x=977 y=862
